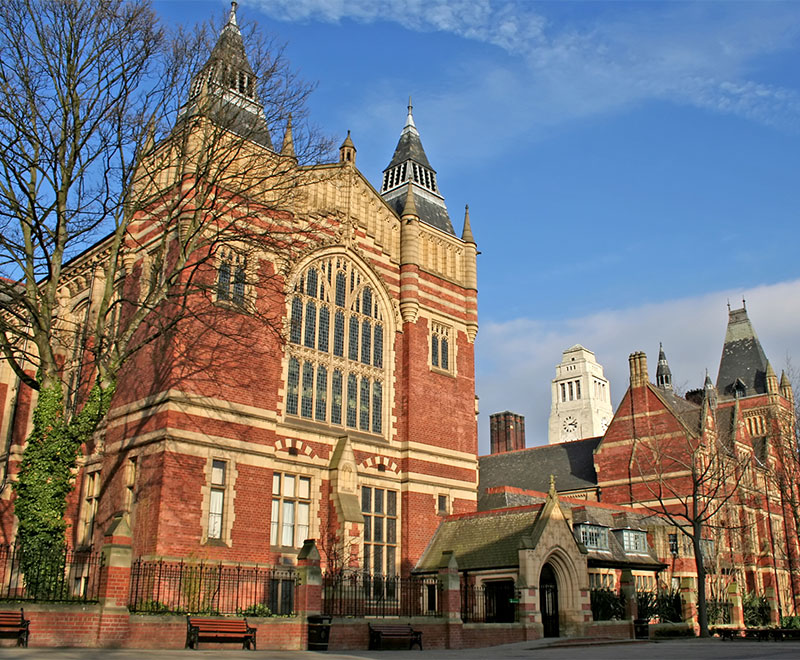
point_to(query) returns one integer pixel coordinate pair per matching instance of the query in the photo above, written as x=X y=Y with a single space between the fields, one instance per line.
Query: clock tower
x=581 y=398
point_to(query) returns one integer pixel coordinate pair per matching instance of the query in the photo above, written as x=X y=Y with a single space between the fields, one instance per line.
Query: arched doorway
x=548 y=601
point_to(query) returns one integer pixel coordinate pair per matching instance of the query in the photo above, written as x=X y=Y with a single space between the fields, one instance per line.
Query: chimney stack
x=638 y=367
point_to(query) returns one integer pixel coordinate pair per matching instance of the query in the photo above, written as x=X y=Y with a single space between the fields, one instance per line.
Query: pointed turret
x=347 y=152
x=410 y=169
x=288 y=141
x=663 y=373
x=772 y=380
x=786 y=387
x=466 y=234
x=409 y=208
x=743 y=366
x=224 y=89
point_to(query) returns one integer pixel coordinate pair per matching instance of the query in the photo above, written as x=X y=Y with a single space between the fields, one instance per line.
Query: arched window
x=336 y=370
x=231 y=277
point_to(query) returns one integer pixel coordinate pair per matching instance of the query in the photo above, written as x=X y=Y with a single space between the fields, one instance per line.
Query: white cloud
x=516 y=359
x=601 y=61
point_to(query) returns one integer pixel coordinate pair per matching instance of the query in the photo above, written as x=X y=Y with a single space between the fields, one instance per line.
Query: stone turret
x=347 y=152
x=786 y=387
x=409 y=260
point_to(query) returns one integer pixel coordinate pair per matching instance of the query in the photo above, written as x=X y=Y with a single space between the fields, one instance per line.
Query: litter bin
x=319 y=632
x=641 y=628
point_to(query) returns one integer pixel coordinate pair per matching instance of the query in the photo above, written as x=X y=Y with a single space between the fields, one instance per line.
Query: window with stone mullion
x=336 y=379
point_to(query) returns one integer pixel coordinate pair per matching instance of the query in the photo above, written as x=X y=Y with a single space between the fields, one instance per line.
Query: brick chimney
x=507 y=432
x=638 y=366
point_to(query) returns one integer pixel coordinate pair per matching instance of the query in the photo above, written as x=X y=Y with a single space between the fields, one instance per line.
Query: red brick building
x=728 y=449
x=325 y=391
x=720 y=462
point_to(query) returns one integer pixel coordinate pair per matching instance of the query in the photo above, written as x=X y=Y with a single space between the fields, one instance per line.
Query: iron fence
x=60 y=576
x=203 y=588
x=719 y=612
x=361 y=594
x=494 y=601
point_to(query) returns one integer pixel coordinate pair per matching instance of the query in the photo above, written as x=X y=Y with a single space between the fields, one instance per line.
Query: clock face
x=570 y=425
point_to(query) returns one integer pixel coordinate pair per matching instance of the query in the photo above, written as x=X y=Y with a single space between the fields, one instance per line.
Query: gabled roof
x=481 y=540
x=572 y=463
x=742 y=357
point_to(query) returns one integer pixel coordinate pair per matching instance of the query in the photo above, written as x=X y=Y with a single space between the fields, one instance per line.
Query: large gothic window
x=336 y=370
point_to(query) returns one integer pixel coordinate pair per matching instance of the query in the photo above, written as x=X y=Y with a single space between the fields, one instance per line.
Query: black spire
x=409 y=168
x=663 y=373
x=224 y=90
x=743 y=366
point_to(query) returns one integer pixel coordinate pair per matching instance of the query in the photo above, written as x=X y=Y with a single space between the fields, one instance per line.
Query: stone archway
x=559 y=582
x=548 y=601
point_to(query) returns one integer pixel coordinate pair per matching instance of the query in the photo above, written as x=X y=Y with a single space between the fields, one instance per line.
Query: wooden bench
x=381 y=632
x=219 y=630
x=17 y=624
x=728 y=633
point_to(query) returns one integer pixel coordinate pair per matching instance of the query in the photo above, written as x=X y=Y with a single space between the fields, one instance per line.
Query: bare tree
x=689 y=480
x=138 y=176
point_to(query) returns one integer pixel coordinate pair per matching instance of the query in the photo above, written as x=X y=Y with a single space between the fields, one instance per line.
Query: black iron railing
x=60 y=576
x=490 y=602
x=205 y=588
x=361 y=594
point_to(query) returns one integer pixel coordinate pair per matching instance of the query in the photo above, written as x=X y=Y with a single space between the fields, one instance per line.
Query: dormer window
x=634 y=540
x=594 y=536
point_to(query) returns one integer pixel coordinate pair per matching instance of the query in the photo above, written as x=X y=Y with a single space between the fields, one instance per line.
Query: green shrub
x=607 y=605
x=257 y=609
x=756 y=610
x=792 y=622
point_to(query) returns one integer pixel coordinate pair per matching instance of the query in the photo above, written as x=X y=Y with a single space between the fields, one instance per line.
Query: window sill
x=232 y=306
x=304 y=424
x=442 y=372
x=219 y=543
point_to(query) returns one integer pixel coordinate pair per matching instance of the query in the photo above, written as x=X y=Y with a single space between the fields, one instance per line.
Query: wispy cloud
x=600 y=59
x=516 y=359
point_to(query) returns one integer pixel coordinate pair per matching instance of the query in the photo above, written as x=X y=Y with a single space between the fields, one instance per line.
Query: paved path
x=694 y=649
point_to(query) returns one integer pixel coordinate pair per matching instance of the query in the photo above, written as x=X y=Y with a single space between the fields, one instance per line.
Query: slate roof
x=491 y=539
x=742 y=357
x=428 y=212
x=480 y=540
x=572 y=463
x=429 y=201
x=246 y=118
x=409 y=147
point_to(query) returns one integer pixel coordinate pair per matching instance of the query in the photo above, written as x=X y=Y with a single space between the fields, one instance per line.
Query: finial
x=410 y=117
x=288 y=140
x=410 y=207
x=232 y=16
x=466 y=234
x=552 y=483
x=729 y=305
x=744 y=304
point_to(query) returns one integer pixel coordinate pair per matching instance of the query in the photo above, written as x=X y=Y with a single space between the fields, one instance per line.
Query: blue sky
x=630 y=166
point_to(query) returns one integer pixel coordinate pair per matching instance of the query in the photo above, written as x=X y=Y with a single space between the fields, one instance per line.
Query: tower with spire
x=224 y=90
x=410 y=170
x=663 y=372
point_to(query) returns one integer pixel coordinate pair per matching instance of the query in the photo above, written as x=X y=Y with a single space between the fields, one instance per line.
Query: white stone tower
x=581 y=398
